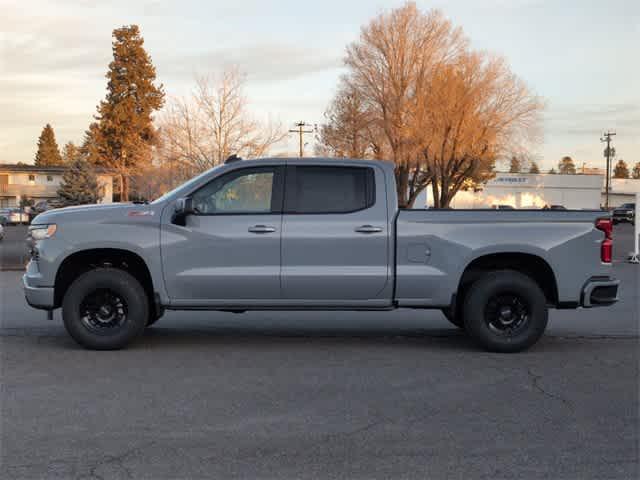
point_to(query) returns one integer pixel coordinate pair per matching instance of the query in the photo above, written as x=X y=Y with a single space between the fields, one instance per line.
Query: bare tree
x=445 y=113
x=389 y=64
x=201 y=131
x=351 y=129
x=475 y=111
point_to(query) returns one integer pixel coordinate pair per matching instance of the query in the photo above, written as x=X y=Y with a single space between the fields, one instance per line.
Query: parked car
x=1 y=231
x=554 y=207
x=17 y=217
x=625 y=213
x=503 y=207
x=300 y=234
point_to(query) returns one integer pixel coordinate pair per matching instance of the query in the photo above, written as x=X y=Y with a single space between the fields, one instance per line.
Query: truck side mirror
x=183 y=207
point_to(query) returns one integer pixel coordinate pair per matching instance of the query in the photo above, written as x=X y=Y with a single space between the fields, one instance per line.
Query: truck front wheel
x=105 y=309
x=505 y=311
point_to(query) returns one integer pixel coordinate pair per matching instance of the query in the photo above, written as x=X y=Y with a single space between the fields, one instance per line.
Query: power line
x=609 y=152
x=300 y=131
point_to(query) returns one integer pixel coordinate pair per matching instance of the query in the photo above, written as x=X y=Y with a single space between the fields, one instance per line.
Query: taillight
x=606 y=247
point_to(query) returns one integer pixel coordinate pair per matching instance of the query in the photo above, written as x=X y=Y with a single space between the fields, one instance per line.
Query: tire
x=505 y=311
x=456 y=320
x=105 y=309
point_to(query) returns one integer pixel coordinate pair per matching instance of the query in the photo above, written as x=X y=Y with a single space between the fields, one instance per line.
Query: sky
x=581 y=56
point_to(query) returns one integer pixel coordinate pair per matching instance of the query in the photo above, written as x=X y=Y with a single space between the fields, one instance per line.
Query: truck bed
x=435 y=247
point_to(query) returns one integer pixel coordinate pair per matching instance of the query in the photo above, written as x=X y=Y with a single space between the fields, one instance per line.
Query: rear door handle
x=262 y=229
x=368 y=229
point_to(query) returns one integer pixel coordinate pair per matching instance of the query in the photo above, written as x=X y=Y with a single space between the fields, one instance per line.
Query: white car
x=1 y=232
x=17 y=217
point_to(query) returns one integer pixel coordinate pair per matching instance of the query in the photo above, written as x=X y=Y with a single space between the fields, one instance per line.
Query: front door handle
x=262 y=229
x=368 y=229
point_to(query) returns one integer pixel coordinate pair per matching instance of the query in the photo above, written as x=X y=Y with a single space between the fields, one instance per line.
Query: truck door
x=229 y=249
x=334 y=234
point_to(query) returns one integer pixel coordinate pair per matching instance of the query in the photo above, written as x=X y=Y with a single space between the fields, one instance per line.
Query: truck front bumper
x=36 y=296
x=599 y=292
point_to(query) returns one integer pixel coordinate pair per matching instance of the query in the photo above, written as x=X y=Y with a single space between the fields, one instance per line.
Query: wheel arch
x=534 y=266
x=83 y=261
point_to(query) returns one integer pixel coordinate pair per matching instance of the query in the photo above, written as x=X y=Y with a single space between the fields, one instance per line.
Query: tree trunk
x=402 y=185
x=124 y=188
x=436 y=193
x=414 y=196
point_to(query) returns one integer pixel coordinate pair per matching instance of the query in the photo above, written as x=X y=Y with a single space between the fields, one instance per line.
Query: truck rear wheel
x=105 y=309
x=505 y=311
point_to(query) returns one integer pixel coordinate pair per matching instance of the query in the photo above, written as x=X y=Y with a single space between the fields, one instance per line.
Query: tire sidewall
x=505 y=281
x=120 y=282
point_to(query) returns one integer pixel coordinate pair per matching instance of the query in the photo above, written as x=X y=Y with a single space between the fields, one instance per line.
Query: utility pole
x=301 y=131
x=609 y=152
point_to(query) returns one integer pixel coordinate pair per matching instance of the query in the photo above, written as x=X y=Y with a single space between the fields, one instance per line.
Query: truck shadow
x=447 y=339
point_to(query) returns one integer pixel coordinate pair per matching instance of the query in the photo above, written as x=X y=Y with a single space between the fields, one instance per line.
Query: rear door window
x=319 y=189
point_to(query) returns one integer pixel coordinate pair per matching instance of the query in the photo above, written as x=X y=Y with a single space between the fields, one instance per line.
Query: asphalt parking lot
x=322 y=395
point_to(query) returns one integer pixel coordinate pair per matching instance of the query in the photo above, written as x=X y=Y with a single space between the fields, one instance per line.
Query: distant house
x=39 y=184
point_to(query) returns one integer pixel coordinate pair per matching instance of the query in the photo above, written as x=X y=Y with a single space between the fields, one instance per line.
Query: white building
x=622 y=190
x=525 y=190
x=19 y=182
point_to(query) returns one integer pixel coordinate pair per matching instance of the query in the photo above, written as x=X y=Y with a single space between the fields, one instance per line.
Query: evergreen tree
x=48 y=154
x=125 y=129
x=515 y=165
x=635 y=173
x=89 y=148
x=566 y=166
x=534 y=168
x=621 y=170
x=79 y=184
x=69 y=153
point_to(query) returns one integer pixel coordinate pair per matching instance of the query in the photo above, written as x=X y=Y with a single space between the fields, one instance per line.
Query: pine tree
x=621 y=170
x=534 y=168
x=635 y=173
x=566 y=166
x=79 y=184
x=515 y=165
x=69 y=153
x=126 y=131
x=89 y=148
x=48 y=154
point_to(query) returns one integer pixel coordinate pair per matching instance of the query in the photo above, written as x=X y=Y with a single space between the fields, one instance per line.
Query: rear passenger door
x=334 y=235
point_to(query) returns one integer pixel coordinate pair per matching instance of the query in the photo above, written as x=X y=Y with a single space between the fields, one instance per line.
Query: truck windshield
x=186 y=184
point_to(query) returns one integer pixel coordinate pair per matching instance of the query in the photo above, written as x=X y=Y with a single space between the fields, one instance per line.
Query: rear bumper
x=599 y=292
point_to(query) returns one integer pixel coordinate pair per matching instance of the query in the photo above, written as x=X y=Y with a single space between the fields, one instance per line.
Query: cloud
x=593 y=119
x=262 y=62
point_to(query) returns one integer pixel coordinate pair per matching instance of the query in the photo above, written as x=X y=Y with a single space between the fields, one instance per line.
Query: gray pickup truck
x=301 y=234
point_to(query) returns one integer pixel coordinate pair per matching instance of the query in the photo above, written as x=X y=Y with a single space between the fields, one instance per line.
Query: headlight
x=40 y=232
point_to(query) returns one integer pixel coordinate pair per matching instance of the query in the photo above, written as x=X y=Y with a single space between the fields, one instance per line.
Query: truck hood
x=93 y=212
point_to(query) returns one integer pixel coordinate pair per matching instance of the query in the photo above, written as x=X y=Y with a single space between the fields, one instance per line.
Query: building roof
x=28 y=168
